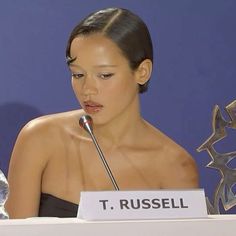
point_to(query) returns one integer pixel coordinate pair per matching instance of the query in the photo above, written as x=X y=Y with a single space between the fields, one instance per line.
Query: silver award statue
x=220 y=161
x=4 y=190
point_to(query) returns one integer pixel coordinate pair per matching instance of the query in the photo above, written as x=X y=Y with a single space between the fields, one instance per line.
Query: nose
x=89 y=86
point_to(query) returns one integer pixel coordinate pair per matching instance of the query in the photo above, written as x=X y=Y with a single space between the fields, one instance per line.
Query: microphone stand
x=85 y=121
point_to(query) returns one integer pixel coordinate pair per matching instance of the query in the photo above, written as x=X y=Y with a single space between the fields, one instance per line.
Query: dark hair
x=124 y=28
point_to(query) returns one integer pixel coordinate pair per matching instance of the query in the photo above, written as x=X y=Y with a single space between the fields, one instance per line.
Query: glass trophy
x=4 y=190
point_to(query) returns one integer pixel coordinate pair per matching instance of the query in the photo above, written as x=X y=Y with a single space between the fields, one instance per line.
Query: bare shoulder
x=41 y=136
x=35 y=146
x=48 y=125
x=52 y=121
x=178 y=168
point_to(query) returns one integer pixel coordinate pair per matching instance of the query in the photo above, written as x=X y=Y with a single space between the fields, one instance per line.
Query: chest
x=77 y=167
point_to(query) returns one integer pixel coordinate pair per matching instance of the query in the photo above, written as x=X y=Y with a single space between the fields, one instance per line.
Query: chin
x=100 y=120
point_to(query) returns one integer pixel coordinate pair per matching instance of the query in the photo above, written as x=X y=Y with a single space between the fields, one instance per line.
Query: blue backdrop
x=195 y=67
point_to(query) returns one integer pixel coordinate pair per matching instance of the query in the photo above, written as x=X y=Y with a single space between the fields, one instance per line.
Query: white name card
x=141 y=205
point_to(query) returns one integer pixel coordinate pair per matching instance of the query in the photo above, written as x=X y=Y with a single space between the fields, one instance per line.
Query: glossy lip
x=92 y=107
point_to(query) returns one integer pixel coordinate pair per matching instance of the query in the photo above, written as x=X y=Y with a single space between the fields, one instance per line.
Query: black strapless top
x=51 y=206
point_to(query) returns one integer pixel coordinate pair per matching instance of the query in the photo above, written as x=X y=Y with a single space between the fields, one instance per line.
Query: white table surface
x=213 y=225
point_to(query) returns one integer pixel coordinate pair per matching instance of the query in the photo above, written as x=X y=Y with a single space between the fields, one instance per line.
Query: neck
x=122 y=129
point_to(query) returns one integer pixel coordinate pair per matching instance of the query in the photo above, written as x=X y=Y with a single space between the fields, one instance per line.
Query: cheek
x=127 y=87
x=123 y=84
x=73 y=86
x=123 y=92
x=76 y=88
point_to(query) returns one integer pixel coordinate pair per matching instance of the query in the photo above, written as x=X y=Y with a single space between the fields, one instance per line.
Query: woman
x=110 y=58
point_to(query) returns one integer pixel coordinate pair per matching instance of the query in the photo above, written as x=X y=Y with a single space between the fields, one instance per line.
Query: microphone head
x=86 y=122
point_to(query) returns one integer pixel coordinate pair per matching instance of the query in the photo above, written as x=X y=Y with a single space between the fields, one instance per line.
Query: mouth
x=92 y=107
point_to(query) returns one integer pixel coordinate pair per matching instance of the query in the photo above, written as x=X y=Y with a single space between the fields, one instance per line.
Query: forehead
x=95 y=46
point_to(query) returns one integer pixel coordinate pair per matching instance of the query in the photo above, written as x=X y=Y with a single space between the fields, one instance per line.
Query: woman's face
x=102 y=79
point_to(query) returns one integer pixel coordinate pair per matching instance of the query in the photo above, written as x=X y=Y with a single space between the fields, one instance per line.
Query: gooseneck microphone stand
x=86 y=122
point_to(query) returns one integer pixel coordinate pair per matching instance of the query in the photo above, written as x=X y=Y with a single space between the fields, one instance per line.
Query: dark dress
x=51 y=206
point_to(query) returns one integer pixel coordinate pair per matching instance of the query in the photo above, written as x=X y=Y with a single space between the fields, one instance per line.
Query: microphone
x=86 y=122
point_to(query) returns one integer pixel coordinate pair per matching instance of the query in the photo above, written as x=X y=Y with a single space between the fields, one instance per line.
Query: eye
x=77 y=75
x=105 y=75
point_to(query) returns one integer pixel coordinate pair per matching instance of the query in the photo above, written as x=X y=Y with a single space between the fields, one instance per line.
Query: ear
x=143 y=72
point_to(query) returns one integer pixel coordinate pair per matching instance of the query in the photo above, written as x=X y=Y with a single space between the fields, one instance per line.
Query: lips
x=92 y=107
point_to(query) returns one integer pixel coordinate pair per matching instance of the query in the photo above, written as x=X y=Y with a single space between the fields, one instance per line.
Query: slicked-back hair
x=124 y=28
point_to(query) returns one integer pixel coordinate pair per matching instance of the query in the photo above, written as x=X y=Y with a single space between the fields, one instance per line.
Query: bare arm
x=28 y=161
